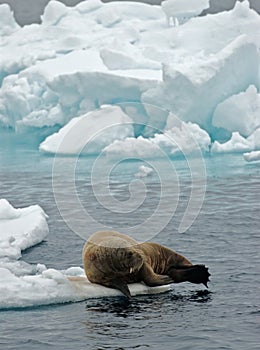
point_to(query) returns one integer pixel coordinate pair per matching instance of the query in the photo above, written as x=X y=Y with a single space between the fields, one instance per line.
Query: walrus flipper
x=152 y=279
x=194 y=274
x=120 y=285
x=198 y=274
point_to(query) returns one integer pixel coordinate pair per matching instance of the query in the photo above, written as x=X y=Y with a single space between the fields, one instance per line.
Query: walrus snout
x=133 y=261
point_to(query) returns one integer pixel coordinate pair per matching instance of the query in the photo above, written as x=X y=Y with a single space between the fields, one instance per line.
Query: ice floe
x=24 y=285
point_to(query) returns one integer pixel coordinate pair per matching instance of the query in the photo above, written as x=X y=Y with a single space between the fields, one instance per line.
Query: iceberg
x=20 y=228
x=182 y=10
x=80 y=58
x=238 y=143
x=90 y=133
x=185 y=92
x=185 y=138
x=252 y=156
x=240 y=113
x=8 y=24
x=144 y=171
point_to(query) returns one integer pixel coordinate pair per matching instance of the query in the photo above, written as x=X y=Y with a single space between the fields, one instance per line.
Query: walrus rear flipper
x=194 y=274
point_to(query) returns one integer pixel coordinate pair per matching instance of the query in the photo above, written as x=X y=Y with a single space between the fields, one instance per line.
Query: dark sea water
x=225 y=237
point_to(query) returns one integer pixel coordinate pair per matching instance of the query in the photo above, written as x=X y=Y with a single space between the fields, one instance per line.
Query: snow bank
x=252 y=156
x=23 y=285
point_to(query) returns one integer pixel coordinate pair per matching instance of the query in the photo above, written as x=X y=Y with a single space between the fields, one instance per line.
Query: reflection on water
x=123 y=307
x=136 y=321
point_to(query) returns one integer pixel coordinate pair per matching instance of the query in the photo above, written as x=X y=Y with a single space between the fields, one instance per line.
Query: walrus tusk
x=131 y=269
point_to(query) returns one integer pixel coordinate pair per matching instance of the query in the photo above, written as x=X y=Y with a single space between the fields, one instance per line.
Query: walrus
x=113 y=259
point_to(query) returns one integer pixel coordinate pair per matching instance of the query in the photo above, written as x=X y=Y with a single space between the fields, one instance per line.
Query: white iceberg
x=20 y=228
x=144 y=171
x=193 y=92
x=238 y=143
x=182 y=10
x=90 y=133
x=239 y=112
x=183 y=138
x=8 y=24
x=83 y=57
x=252 y=156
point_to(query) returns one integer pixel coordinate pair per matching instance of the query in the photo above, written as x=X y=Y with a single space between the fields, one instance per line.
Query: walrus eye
x=130 y=254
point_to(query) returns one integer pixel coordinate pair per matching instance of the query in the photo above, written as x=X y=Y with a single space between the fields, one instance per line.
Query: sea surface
x=225 y=237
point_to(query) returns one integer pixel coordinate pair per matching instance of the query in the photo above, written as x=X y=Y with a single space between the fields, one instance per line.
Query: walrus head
x=114 y=256
x=120 y=260
x=130 y=260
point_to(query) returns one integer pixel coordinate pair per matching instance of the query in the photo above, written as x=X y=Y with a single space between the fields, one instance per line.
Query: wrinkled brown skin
x=113 y=260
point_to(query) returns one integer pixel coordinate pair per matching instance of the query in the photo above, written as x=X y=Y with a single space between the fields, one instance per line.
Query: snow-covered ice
x=83 y=57
x=22 y=284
